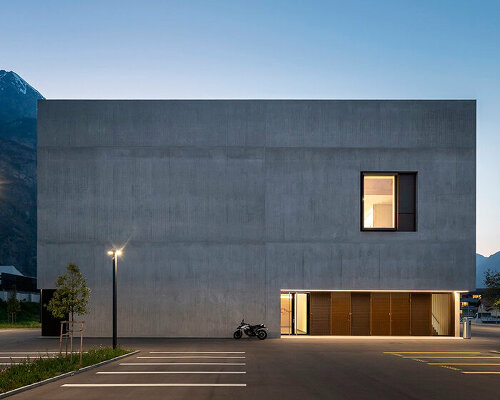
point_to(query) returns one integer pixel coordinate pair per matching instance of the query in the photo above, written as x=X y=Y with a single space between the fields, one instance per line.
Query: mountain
x=17 y=97
x=483 y=264
x=18 y=102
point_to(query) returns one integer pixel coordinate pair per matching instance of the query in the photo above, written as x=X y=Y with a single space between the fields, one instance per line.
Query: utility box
x=467 y=328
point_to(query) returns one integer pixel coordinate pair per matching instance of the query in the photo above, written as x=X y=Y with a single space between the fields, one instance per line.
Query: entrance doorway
x=364 y=313
x=294 y=313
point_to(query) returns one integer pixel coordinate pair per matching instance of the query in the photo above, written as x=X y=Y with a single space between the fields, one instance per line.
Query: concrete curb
x=65 y=375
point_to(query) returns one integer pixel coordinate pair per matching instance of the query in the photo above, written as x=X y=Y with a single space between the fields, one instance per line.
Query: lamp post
x=114 y=256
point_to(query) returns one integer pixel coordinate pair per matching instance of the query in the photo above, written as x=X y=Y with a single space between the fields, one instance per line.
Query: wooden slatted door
x=360 y=314
x=421 y=314
x=400 y=314
x=380 y=314
x=319 y=312
x=341 y=313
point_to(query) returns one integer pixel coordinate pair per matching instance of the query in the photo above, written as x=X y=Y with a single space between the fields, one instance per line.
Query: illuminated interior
x=294 y=313
x=441 y=314
x=300 y=313
x=286 y=313
x=379 y=201
x=369 y=313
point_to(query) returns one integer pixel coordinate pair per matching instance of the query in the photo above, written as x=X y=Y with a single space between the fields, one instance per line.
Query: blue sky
x=270 y=49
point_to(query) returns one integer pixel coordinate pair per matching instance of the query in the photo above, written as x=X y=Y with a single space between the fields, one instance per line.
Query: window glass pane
x=379 y=201
x=286 y=313
x=301 y=313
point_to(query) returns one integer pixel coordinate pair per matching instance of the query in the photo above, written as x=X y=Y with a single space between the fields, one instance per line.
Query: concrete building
x=313 y=217
x=13 y=281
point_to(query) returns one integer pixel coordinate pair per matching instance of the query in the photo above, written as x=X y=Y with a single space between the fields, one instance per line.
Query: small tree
x=492 y=280
x=71 y=296
x=13 y=306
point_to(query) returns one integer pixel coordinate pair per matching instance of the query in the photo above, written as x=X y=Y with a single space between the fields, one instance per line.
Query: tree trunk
x=71 y=334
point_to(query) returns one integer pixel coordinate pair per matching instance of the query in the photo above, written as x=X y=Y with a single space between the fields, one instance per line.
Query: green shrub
x=38 y=369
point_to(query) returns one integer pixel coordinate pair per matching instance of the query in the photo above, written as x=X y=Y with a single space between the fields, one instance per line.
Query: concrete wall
x=220 y=204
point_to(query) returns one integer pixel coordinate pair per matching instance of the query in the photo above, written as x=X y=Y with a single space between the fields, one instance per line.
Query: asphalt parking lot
x=281 y=368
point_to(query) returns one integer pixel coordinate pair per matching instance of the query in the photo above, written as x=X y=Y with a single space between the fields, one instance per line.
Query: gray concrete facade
x=220 y=204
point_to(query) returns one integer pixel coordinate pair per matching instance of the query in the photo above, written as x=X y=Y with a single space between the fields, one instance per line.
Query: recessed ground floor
x=369 y=313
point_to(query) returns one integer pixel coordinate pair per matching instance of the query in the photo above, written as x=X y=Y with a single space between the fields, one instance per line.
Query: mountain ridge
x=483 y=264
x=18 y=105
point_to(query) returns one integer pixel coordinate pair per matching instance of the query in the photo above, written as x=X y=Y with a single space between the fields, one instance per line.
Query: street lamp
x=114 y=254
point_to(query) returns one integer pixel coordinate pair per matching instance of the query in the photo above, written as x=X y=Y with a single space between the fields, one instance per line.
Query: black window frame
x=396 y=195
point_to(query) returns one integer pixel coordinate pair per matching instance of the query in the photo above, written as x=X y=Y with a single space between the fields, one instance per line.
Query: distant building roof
x=9 y=269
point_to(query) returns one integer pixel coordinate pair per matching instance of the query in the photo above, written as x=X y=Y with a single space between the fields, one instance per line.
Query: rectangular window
x=379 y=202
x=388 y=201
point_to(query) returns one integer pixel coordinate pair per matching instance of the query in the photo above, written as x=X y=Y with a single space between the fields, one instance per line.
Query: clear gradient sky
x=441 y=49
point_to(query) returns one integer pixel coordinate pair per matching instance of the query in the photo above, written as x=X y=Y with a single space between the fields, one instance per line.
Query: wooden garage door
x=421 y=309
x=400 y=314
x=381 y=314
x=360 y=314
x=341 y=310
x=319 y=311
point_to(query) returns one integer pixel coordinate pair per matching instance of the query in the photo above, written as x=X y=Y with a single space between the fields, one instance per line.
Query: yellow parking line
x=448 y=367
x=463 y=364
x=480 y=372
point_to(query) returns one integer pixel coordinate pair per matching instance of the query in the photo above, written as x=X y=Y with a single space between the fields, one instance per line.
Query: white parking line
x=197 y=352
x=183 y=363
x=41 y=356
x=169 y=372
x=29 y=352
x=432 y=352
x=195 y=357
x=80 y=385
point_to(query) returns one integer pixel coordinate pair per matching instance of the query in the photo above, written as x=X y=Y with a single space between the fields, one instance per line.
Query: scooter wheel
x=237 y=335
x=262 y=335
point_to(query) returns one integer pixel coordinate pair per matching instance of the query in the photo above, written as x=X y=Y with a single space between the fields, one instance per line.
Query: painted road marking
x=170 y=372
x=480 y=372
x=32 y=357
x=195 y=357
x=28 y=352
x=183 y=363
x=462 y=363
x=100 y=385
x=432 y=352
x=453 y=357
x=197 y=352
x=448 y=367
x=460 y=356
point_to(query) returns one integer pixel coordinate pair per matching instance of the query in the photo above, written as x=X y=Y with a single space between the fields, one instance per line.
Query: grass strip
x=20 y=325
x=36 y=369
